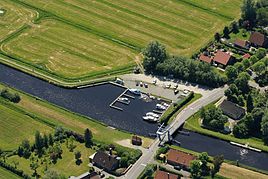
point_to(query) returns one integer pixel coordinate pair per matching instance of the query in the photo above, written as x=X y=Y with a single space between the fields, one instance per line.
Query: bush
x=13 y=97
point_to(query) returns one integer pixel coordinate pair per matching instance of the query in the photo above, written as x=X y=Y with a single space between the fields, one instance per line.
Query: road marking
x=143 y=164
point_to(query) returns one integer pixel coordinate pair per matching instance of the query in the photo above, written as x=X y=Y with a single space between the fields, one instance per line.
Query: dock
x=245 y=146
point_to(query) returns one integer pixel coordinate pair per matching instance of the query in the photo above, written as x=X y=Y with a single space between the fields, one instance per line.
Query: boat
x=160 y=107
x=152 y=114
x=135 y=91
x=123 y=99
x=165 y=105
x=150 y=118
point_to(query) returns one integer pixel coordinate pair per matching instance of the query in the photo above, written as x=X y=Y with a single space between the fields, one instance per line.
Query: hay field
x=183 y=26
x=15 y=17
x=68 y=51
x=84 y=39
x=16 y=126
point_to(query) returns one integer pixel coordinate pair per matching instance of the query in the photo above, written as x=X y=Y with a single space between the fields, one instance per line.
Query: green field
x=16 y=126
x=79 y=39
x=5 y=174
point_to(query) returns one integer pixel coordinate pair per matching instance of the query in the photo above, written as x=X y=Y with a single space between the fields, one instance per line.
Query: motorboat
x=152 y=114
x=123 y=99
x=160 y=107
x=135 y=91
x=150 y=118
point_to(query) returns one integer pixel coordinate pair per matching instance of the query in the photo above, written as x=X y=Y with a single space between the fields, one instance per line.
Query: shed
x=136 y=140
x=165 y=175
x=232 y=110
x=258 y=39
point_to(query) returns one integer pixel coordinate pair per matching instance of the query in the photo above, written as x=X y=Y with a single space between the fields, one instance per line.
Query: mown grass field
x=15 y=17
x=4 y=174
x=85 y=39
x=16 y=126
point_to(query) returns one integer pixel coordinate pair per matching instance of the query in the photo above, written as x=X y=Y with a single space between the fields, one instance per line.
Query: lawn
x=15 y=17
x=16 y=126
x=88 y=39
x=239 y=35
x=4 y=174
x=66 y=165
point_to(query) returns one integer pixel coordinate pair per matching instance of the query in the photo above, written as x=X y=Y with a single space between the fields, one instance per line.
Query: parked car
x=145 y=85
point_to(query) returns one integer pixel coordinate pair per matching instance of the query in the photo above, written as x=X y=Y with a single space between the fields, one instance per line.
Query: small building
x=241 y=44
x=205 y=58
x=87 y=175
x=136 y=140
x=232 y=110
x=165 y=175
x=246 y=56
x=258 y=39
x=223 y=58
x=105 y=161
x=179 y=158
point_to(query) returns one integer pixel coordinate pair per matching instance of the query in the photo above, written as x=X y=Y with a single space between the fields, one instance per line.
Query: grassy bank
x=5 y=174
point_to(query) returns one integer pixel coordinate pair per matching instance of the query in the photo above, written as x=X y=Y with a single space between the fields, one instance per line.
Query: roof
x=257 y=38
x=246 y=56
x=232 y=110
x=164 y=175
x=180 y=157
x=136 y=138
x=240 y=43
x=87 y=175
x=205 y=58
x=105 y=160
x=222 y=57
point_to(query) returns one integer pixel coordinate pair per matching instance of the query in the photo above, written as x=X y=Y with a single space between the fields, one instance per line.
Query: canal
x=213 y=146
x=92 y=101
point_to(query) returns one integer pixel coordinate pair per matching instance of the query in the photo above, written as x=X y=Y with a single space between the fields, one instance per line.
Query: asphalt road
x=148 y=155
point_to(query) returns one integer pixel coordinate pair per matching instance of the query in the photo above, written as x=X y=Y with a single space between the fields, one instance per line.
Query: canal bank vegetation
x=176 y=107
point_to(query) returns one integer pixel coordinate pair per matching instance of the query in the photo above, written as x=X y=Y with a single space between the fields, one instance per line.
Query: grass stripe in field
x=5 y=174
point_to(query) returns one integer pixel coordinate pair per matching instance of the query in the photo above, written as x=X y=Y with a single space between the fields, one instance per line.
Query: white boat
x=152 y=114
x=123 y=99
x=135 y=91
x=165 y=105
x=161 y=107
x=150 y=118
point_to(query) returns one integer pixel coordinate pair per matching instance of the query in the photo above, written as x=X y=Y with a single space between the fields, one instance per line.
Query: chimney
x=168 y=175
x=110 y=151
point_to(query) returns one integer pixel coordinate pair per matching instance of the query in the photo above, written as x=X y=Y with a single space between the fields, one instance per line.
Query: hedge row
x=14 y=170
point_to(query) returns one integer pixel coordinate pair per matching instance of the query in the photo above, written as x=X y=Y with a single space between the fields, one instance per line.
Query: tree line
x=158 y=61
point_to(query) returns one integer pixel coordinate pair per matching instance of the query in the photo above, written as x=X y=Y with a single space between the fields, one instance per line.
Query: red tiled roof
x=246 y=56
x=164 y=175
x=205 y=58
x=222 y=57
x=179 y=157
x=240 y=43
x=257 y=38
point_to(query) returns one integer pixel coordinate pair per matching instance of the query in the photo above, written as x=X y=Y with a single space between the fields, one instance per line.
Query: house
x=223 y=58
x=136 y=140
x=106 y=161
x=165 y=175
x=205 y=58
x=87 y=175
x=179 y=158
x=258 y=39
x=246 y=56
x=232 y=110
x=241 y=44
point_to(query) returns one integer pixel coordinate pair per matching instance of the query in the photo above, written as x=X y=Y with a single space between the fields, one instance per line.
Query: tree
x=246 y=63
x=231 y=73
x=253 y=59
x=217 y=37
x=153 y=54
x=88 y=138
x=264 y=127
x=45 y=141
x=242 y=82
x=250 y=104
x=195 y=169
x=261 y=53
x=77 y=156
x=248 y=11
x=226 y=32
x=50 y=139
x=38 y=143
x=24 y=149
x=239 y=66
x=259 y=67
x=235 y=28
x=241 y=100
x=71 y=145
x=240 y=130
x=204 y=158
x=217 y=161
x=34 y=165
x=262 y=16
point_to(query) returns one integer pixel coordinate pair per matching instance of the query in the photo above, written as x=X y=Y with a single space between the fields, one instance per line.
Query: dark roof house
x=106 y=161
x=136 y=140
x=165 y=175
x=241 y=43
x=205 y=58
x=87 y=175
x=232 y=110
x=179 y=158
x=258 y=39
x=223 y=58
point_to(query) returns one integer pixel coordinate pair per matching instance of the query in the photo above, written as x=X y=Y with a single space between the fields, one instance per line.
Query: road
x=148 y=155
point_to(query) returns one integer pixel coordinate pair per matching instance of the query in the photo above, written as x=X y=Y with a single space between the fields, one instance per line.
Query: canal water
x=213 y=146
x=92 y=101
